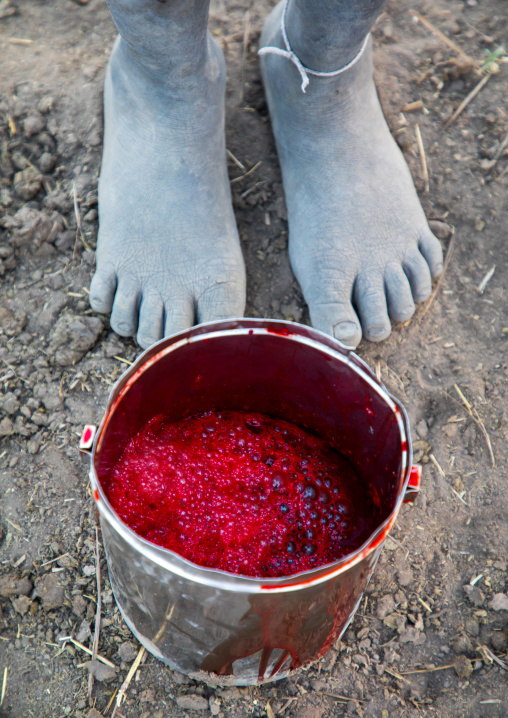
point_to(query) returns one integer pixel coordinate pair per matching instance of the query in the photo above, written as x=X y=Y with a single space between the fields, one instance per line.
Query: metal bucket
x=224 y=628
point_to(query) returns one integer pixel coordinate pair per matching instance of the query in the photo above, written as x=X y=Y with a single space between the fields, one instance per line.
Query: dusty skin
x=437 y=601
x=168 y=252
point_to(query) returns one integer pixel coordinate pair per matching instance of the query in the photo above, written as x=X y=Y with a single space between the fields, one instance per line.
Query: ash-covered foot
x=168 y=250
x=358 y=237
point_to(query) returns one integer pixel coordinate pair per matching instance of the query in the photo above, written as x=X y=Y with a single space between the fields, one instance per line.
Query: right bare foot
x=359 y=243
x=168 y=251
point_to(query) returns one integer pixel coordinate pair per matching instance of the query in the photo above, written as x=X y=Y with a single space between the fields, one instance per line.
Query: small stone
x=12 y=323
x=91 y=215
x=385 y=606
x=319 y=685
x=33 y=446
x=463 y=667
x=479 y=224
x=84 y=632
x=442 y=230
x=462 y=644
x=45 y=104
x=7 y=8
x=179 y=678
x=79 y=605
x=6 y=427
x=499 y=641
x=49 y=394
x=9 y=403
x=422 y=429
x=73 y=336
x=231 y=694
x=60 y=200
x=214 y=705
x=128 y=651
x=47 y=162
x=396 y=622
x=101 y=672
x=33 y=124
x=65 y=240
x=12 y=586
x=55 y=281
x=112 y=346
x=94 y=713
x=474 y=594
x=412 y=635
x=405 y=576
x=499 y=602
x=27 y=183
x=32 y=227
x=46 y=318
x=50 y=591
x=472 y=627
x=21 y=604
x=192 y=703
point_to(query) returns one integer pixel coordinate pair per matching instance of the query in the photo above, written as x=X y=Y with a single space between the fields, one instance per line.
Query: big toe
x=370 y=299
x=338 y=319
x=102 y=291
x=124 y=316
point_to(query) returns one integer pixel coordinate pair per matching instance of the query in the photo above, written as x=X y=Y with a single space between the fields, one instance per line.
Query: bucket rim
x=223 y=580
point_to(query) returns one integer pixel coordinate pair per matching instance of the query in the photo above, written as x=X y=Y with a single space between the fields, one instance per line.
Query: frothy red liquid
x=241 y=492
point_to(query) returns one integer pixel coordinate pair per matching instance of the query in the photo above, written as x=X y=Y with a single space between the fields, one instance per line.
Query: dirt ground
x=431 y=636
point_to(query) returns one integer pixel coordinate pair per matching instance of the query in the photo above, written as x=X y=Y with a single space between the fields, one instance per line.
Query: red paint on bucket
x=96 y=495
x=280 y=331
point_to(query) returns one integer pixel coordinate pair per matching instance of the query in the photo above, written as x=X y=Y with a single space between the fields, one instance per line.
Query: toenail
x=345 y=330
x=376 y=331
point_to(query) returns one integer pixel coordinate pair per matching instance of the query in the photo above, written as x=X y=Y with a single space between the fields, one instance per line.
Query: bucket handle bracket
x=413 y=485
x=87 y=439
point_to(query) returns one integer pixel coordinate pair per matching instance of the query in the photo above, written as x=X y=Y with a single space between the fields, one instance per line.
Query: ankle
x=203 y=76
x=163 y=36
x=328 y=34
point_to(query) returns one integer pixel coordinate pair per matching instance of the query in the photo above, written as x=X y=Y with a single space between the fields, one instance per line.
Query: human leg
x=359 y=242
x=168 y=251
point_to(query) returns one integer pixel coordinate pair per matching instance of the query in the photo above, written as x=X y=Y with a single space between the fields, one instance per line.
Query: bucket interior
x=276 y=375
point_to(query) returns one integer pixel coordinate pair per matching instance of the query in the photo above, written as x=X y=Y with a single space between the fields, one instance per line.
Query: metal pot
x=224 y=628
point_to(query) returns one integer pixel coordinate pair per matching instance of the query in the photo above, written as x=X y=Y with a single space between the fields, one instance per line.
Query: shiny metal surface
x=220 y=627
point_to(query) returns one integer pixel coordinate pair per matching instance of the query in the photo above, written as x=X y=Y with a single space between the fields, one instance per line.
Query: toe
x=124 y=316
x=151 y=321
x=369 y=295
x=102 y=292
x=223 y=301
x=337 y=318
x=418 y=273
x=431 y=249
x=179 y=316
x=401 y=306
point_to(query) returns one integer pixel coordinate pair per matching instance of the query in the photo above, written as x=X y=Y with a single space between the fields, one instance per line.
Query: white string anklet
x=290 y=55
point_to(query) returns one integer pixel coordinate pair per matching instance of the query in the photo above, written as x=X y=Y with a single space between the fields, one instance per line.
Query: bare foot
x=359 y=242
x=168 y=251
